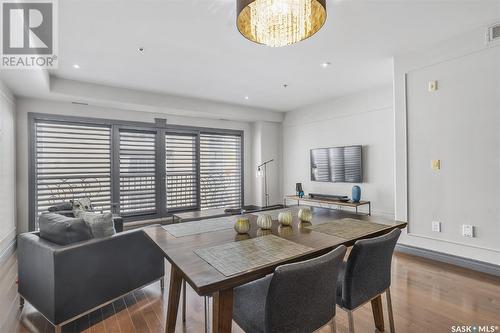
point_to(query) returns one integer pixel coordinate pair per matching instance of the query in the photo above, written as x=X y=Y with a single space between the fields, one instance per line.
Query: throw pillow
x=63 y=206
x=101 y=224
x=82 y=204
x=63 y=230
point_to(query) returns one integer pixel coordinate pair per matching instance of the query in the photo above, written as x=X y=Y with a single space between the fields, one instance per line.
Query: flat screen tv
x=337 y=164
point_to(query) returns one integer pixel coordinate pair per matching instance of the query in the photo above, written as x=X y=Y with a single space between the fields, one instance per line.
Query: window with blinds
x=137 y=172
x=181 y=171
x=220 y=170
x=72 y=161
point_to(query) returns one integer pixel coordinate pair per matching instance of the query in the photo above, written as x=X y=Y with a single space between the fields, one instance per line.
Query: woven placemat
x=349 y=228
x=237 y=257
x=199 y=227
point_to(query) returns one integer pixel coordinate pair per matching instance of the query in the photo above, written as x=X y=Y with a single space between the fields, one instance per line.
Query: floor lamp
x=259 y=169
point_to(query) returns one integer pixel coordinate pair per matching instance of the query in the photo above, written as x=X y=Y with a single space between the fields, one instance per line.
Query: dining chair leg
x=351 y=321
x=334 y=325
x=207 y=314
x=183 y=301
x=389 y=309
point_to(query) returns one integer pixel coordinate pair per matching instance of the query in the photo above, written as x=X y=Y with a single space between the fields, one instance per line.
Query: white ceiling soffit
x=40 y=84
x=129 y=99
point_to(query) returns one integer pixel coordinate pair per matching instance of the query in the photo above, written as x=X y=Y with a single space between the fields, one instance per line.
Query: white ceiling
x=192 y=47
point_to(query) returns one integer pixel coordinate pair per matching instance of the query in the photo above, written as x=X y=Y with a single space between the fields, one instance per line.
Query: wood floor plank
x=96 y=323
x=8 y=290
x=148 y=312
x=109 y=319
x=135 y=312
x=156 y=303
x=123 y=317
x=10 y=309
x=32 y=319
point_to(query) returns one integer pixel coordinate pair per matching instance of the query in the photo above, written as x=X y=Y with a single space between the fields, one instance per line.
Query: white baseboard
x=475 y=265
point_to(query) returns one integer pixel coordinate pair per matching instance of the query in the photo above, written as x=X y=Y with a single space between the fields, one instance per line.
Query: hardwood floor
x=427 y=296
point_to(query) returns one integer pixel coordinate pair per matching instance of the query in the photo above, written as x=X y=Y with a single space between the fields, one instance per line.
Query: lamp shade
x=280 y=22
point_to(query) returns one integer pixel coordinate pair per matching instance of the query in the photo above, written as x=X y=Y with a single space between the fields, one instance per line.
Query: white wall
x=25 y=105
x=267 y=145
x=7 y=171
x=460 y=125
x=364 y=118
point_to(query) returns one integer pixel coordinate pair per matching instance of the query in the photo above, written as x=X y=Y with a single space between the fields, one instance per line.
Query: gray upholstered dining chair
x=298 y=297
x=367 y=274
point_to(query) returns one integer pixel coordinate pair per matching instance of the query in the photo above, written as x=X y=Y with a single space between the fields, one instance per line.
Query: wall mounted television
x=337 y=164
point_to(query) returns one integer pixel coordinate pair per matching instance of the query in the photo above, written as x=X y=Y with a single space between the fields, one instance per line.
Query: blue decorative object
x=356 y=193
x=299 y=190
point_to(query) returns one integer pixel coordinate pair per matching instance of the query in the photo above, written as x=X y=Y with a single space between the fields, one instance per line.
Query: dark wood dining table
x=208 y=281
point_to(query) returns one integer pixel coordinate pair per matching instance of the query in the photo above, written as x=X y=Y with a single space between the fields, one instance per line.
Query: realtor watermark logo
x=29 y=34
x=475 y=328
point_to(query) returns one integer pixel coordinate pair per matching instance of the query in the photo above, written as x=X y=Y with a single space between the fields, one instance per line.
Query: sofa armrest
x=65 y=281
x=118 y=223
x=35 y=257
x=100 y=270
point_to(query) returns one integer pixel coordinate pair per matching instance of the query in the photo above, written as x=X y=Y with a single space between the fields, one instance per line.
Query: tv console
x=329 y=201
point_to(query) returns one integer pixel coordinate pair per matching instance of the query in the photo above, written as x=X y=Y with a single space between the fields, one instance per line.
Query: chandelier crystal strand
x=280 y=22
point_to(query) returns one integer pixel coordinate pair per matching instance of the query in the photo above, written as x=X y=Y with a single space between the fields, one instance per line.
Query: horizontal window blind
x=220 y=170
x=137 y=172
x=72 y=161
x=181 y=171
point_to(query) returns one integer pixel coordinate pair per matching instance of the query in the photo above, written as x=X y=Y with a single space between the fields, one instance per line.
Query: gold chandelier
x=280 y=22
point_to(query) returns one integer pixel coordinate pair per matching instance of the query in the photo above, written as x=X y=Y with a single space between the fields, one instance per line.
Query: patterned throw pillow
x=100 y=224
x=82 y=204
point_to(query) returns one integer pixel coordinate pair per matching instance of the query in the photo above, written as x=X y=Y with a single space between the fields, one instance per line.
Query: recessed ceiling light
x=141 y=49
x=246 y=97
x=285 y=85
x=326 y=64
x=76 y=66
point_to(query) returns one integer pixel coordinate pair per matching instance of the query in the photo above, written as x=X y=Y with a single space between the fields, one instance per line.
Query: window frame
x=200 y=163
x=116 y=172
x=160 y=126
x=196 y=134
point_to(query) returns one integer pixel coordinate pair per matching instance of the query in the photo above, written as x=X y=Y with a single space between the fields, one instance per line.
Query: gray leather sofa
x=65 y=282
